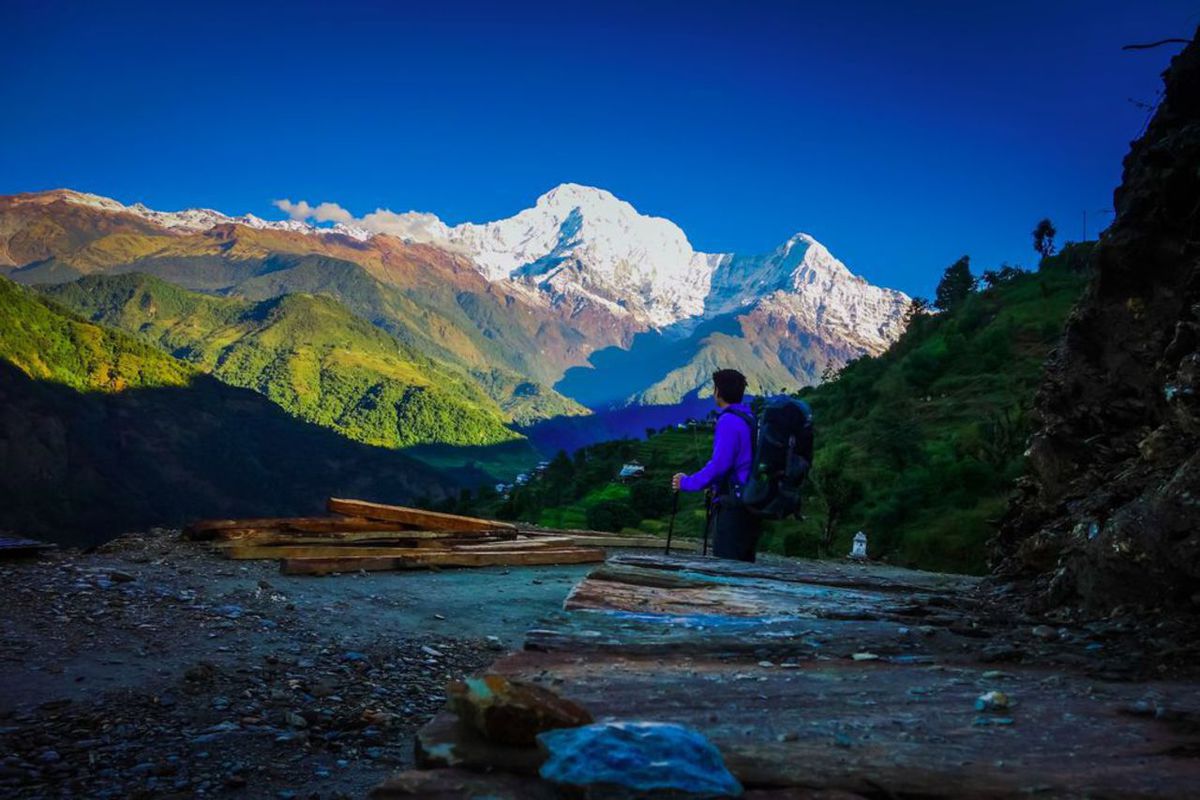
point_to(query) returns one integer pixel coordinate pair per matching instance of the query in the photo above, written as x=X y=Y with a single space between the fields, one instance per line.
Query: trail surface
x=154 y=668
x=851 y=680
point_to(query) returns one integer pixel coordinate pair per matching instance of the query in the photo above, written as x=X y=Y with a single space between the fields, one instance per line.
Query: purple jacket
x=731 y=452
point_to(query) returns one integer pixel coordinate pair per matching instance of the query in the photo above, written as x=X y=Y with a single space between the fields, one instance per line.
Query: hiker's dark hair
x=731 y=385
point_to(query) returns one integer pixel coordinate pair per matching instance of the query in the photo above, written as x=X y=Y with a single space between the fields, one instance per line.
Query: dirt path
x=153 y=668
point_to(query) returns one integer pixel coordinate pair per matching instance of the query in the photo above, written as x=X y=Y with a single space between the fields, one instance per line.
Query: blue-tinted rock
x=638 y=758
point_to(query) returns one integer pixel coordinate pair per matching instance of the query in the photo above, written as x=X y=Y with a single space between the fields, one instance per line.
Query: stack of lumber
x=18 y=547
x=361 y=535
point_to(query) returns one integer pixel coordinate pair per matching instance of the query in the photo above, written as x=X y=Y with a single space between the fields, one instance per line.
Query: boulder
x=512 y=712
x=637 y=759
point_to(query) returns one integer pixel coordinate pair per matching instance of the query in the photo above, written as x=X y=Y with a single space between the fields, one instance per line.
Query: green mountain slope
x=307 y=354
x=46 y=344
x=102 y=432
x=485 y=344
x=431 y=299
x=918 y=447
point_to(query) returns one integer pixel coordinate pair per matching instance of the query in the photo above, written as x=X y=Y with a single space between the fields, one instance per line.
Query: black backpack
x=783 y=455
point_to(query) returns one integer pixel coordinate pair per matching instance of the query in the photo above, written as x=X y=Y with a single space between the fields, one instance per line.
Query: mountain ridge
x=540 y=293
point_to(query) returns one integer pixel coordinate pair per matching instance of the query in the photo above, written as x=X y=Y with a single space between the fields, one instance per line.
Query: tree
x=917 y=307
x=1006 y=273
x=1043 y=238
x=1001 y=436
x=895 y=434
x=611 y=515
x=650 y=499
x=956 y=285
x=836 y=486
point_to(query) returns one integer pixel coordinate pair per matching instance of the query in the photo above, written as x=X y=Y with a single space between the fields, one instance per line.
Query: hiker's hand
x=675 y=479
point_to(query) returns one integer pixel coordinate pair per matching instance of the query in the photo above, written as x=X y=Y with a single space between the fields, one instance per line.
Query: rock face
x=512 y=712
x=1109 y=512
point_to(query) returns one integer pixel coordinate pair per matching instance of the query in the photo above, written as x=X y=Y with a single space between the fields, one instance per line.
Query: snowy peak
x=191 y=220
x=585 y=242
x=580 y=244
x=576 y=195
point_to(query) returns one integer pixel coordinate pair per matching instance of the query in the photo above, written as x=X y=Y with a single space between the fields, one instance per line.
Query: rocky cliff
x=1109 y=511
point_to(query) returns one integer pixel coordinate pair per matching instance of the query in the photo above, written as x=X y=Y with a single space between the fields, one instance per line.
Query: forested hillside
x=918 y=447
x=104 y=433
x=308 y=354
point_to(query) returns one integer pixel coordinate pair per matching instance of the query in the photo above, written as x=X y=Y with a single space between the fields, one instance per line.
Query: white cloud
x=324 y=212
x=415 y=225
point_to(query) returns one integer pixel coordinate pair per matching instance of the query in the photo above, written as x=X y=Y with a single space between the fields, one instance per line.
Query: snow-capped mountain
x=581 y=290
x=586 y=243
x=579 y=243
x=198 y=220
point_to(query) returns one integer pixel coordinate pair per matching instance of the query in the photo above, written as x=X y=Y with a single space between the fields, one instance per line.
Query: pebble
x=1045 y=632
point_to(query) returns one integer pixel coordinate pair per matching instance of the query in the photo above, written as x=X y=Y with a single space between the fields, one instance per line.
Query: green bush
x=612 y=515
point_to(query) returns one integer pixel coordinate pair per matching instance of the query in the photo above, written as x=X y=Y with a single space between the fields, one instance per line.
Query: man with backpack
x=734 y=529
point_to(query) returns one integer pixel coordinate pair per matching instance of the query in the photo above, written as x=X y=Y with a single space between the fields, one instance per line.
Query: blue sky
x=900 y=134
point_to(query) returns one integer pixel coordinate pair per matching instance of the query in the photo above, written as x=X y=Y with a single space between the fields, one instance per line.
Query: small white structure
x=858 y=550
x=631 y=470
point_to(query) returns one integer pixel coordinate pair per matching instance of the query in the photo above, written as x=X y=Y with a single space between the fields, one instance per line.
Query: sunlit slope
x=49 y=345
x=306 y=353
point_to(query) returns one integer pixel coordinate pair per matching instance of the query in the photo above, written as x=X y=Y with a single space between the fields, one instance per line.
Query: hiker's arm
x=720 y=463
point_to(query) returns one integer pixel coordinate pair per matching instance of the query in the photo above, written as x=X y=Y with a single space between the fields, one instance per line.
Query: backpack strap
x=752 y=422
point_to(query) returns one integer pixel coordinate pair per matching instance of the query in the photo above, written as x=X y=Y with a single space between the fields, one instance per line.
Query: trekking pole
x=707 y=519
x=671 y=524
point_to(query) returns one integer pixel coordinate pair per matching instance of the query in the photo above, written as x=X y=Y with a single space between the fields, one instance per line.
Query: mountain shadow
x=82 y=467
x=617 y=375
x=625 y=422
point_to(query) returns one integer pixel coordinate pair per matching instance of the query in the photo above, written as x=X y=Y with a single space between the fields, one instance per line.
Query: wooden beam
x=606 y=539
x=426 y=520
x=420 y=559
x=215 y=528
x=244 y=552
x=258 y=536
x=542 y=543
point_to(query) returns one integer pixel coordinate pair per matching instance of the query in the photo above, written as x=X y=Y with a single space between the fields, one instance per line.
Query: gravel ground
x=151 y=668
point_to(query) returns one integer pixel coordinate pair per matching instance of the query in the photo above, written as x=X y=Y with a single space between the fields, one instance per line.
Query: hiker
x=734 y=530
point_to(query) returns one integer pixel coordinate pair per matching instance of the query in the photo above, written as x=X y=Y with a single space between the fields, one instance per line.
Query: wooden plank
x=426 y=520
x=450 y=558
x=638 y=542
x=400 y=549
x=548 y=542
x=241 y=552
x=880 y=577
x=608 y=539
x=215 y=528
x=17 y=547
x=249 y=536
